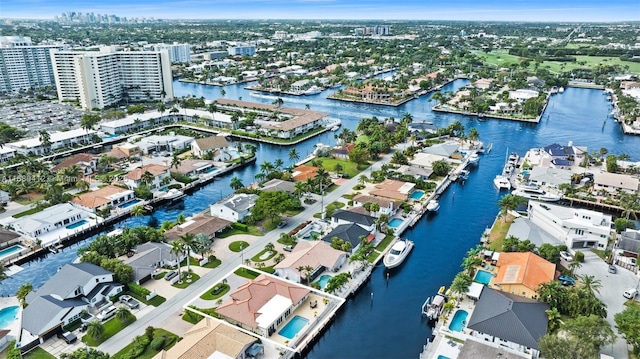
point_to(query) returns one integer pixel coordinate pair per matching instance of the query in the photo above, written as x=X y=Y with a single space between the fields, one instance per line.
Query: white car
x=107 y=313
x=630 y=293
x=566 y=256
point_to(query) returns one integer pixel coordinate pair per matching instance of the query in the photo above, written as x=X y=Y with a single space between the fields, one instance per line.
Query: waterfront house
x=49 y=219
x=549 y=176
x=135 y=122
x=193 y=168
x=262 y=304
x=393 y=189
x=575 y=227
x=124 y=151
x=522 y=228
x=483 y=84
x=351 y=233
x=159 y=174
x=86 y=162
x=200 y=223
x=59 y=140
x=344 y=216
x=300 y=86
x=61 y=300
x=150 y=256
x=521 y=273
x=415 y=171
x=444 y=150
x=387 y=206
x=169 y=143
x=343 y=151
x=522 y=95
x=507 y=320
x=278 y=185
x=614 y=182
x=316 y=254
x=108 y=196
x=234 y=208
x=211 y=338
x=304 y=172
x=217 y=145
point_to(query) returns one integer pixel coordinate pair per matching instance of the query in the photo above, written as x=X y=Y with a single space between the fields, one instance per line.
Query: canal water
x=388 y=324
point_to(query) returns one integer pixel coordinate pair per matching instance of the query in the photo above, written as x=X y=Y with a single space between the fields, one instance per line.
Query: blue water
x=293 y=327
x=130 y=203
x=442 y=357
x=577 y=115
x=323 y=280
x=417 y=195
x=482 y=276
x=77 y=224
x=7 y=251
x=8 y=315
x=459 y=320
x=395 y=223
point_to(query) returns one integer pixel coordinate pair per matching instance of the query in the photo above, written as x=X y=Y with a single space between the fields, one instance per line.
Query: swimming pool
x=395 y=223
x=8 y=315
x=9 y=251
x=212 y=170
x=484 y=277
x=416 y=195
x=323 y=280
x=130 y=203
x=293 y=327
x=77 y=224
x=459 y=321
x=442 y=357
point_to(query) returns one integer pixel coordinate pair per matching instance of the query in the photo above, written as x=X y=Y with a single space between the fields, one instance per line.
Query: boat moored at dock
x=433 y=306
x=533 y=191
x=398 y=253
x=433 y=206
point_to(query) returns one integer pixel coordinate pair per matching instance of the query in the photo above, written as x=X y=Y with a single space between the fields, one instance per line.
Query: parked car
x=282 y=224
x=630 y=293
x=566 y=256
x=129 y=301
x=288 y=248
x=107 y=313
x=68 y=337
x=170 y=275
x=566 y=280
x=612 y=269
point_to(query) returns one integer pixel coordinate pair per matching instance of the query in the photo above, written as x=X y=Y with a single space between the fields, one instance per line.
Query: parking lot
x=613 y=285
x=41 y=115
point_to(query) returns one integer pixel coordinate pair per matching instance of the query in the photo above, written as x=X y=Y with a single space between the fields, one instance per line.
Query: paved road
x=613 y=285
x=174 y=304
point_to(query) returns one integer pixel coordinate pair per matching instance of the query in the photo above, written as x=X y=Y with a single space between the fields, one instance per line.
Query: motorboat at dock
x=398 y=253
x=433 y=306
x=533 y=191
x=433 y=206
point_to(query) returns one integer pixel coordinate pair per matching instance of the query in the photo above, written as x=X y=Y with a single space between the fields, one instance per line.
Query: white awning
x=495 y=256
x=273 y=310
x=474 y=291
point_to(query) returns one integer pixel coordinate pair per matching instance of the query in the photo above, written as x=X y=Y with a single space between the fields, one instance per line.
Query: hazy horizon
x=455 y=10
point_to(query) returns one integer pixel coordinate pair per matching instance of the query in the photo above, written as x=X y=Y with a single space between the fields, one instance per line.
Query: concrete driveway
x=613 y=285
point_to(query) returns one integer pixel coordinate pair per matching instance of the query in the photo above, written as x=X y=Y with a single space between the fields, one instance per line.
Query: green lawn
x=246 y=273
x=499 y=232
x=385 y=243
x=330 y=208
x=27 y=212
x=287 y=242
x=149 y=353
x=191 y=317
x=111 y=327
x=257 y=257
x=187 y=281
x=238 y=246
x=348 y=167
x=498 y=59
x=155 y=301
x=212 y=264
x=110 y=176
x=209 y=294
x=38 y=353
x=253 y=230
x=26 y=200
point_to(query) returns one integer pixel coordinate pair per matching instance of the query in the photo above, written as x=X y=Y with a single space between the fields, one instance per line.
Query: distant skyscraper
x=241 y=50
x=177 y=52
x=98 y=80
x=23 y=65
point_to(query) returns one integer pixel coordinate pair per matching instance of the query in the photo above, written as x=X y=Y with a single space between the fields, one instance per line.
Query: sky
x=495 y=10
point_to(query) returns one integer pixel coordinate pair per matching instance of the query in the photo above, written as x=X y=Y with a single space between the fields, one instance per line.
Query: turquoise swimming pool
x=130 y=203
x=8 y=315
x=417 y=195
x=293 y=327
x=459 y=320
x=395 y=223
x=11 y=250
x=77 y=224
x=484 y=277
x=323 y=280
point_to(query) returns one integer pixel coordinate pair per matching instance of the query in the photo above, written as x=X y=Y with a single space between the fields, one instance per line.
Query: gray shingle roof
x=510 y=317
x=70 y=277
x=354 y=217
x=45 y=310
x=347 y=232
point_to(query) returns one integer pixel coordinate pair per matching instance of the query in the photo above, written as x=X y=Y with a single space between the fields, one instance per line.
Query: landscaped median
x=109 y=329
x=148 y=345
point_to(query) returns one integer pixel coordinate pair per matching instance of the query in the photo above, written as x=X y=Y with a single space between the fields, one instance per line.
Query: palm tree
x=146 y=178
x=508 y=203
x=277 y=164
x=590 y=283
x=45 y=140
x=278 y=102
x=554 y=318
x=123 y=313
x=95 y=328
x=338 y=168
x=461 y=283
x=137 y=211
x=188 y=243
x=82 y=185
x=574 y=265
x=236 y=183
x=175 y=161
x=293 y=155
x=223 y=93
x=178 y=249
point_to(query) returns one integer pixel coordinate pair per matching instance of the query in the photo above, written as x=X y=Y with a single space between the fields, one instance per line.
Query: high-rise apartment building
x=101 y=79
x=23 y=65
x=177 y=52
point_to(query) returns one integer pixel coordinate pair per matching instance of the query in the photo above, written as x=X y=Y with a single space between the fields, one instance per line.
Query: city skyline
x=495 y=10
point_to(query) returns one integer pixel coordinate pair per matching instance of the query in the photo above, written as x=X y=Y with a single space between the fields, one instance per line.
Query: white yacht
x=173 y=194
x=433 y=206
x=398 y=253
x=313 y=90
x=533 y=191
x=474 y=159
x=502 y=182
